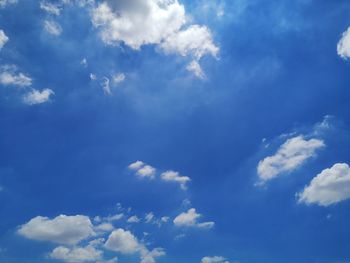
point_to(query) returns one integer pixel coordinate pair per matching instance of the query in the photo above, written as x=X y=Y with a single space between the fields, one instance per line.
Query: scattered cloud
x=66 y=230
x=189 y=219
x=3 y=38
x=172 y=176
x=343 y=47
x=84 y=62
x=215 y=259
x=329 y=187
x=38 y=97
x=50 y=8
x=118 y=78
x=291 y=155
x=52 y=27
x=143 y=170
x=125 y=242
x=9 y=76
x=105 y=86
x=149 y=217
x=152 y=22
x=133 y=219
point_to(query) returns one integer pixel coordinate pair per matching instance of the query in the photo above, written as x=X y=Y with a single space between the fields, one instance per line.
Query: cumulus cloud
x=76 y=254
x=291 y=155
x=122 y=241
x=66 y=230
x=50 y=8
x=172 y=176
x=52 y=27
x=143 y=170
x=158 y=22
x=189 y=219
x=329 y=187
x=196 y=69
x=3 y=3
x=3 y=38
x=343 y=47
x=215 y=259
x=9 y=76
x=125 y=242
x=38 y=97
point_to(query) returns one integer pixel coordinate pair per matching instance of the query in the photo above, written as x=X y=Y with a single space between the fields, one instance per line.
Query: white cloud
x=9 y=75
x=3 y=3
x=159 y=22
x=291 y=155
x=146 y=171
x=343 y=47
x=136 y=165
x=215 y=259
x=150 y=256
x=122 y=241
x=52 y=27
x=66 y=230
x=93 y=76
x=189 y=219
x=143 y=170
x=149 y=217
x=77 y=254
x=104 y=227
x=133 y=219
x=38 y=97
x=125 y=242
x=329 y=187
x=50 y=8
x=118 y=78
x=196 y=69
x=105 y=86
x=3 y=38
x=195 y=40
x=115 y=217
x=172 y=176
x=84 y=62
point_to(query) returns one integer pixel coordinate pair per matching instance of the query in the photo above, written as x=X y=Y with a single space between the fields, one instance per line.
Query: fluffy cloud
x=38 y=97
x=9 y=76
x=118 y=78
x=343 y=47
x=329 y=187
x=172 y=176
x=143 y=170
x=77 y=254
x=196 y=69
x=122 y=241
x=292 y=154
x=125 y=242
x=66 y=230
x=3 y=38
x=189 y=219
x=52 y=27
x=215 y=259
x=3 y=3
x=159 y=22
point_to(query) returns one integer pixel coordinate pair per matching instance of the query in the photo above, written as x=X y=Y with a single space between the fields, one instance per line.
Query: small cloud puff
x=38 y=97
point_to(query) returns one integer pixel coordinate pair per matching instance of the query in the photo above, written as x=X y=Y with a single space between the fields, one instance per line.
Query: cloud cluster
x=329 y=187
x=291 y=155
x=343 y=47
x=52 y=27
x=190 y=218
x=10 y=76
x=154 y=22
x=144 y=170
x=72 y=232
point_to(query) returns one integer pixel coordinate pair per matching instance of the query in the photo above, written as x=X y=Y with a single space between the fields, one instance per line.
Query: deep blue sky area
x=277 y=75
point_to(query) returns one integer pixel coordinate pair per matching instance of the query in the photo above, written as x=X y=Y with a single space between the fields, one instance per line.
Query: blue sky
x=174 y=131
